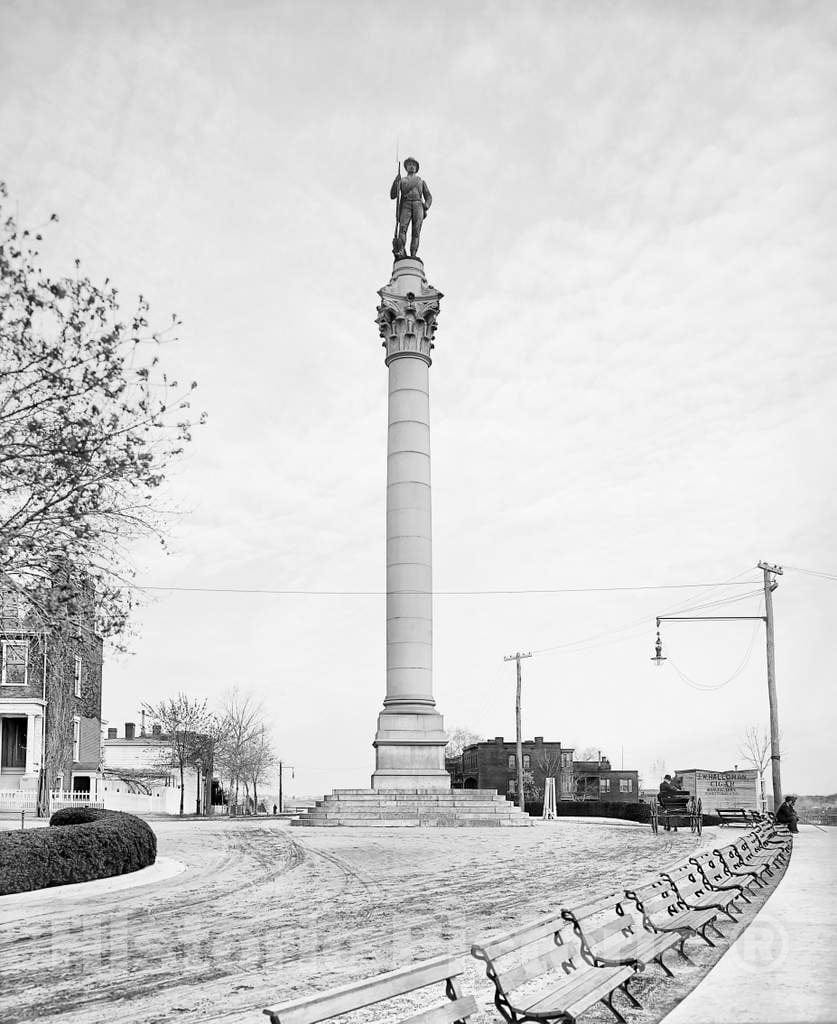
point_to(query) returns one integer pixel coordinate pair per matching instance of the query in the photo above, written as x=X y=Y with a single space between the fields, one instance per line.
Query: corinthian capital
x=407 y=318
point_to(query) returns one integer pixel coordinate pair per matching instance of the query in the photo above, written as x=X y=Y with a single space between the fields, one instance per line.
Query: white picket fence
x=59 y=798
x=18 y=800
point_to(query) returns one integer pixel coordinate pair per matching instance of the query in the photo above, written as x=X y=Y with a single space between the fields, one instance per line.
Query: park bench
x=540 y=973
x=611 y=935
x=339 y=1001
x=734 y=816
x=769 y=834
x=742 y=860
x=767 y=843
x=690 y=886
x=717 y=877
x=663 y=911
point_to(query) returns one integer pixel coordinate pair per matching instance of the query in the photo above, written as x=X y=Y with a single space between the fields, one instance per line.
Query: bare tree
x=458 y=739
x=259 y=760
x=755 y=750
x=182 y=720
x=588 y=754
x=240 y=720
x=549 y=767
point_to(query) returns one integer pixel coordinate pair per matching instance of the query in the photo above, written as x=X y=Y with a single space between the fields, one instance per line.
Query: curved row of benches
x=585 y=954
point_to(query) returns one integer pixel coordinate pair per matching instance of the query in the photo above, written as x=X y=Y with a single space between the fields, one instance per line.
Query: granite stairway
x=414 y=808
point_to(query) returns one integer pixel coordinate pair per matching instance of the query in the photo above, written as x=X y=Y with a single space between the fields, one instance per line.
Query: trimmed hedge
x=81 y=844
x=640 y=812
x=594 y=809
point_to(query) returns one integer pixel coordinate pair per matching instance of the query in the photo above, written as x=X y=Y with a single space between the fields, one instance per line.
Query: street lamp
x=658 y=658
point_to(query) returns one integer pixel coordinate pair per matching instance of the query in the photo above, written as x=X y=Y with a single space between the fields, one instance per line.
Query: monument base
x=410 y=751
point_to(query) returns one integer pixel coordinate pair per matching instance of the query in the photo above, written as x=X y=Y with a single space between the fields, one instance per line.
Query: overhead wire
x=812 y=572
x=717 y=686
x=635 y=627
x=435 y=593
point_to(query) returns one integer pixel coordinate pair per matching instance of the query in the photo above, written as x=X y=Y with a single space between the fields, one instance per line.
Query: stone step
x=440 y=821
x=371 y=815
x=412 y=812
x=413 y=794
x=381 y=808
x=360 y=801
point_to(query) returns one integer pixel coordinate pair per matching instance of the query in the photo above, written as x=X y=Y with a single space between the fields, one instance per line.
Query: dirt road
x=265 y=912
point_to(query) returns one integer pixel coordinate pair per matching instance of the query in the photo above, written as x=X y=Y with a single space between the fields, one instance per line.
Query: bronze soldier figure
x=414 y=201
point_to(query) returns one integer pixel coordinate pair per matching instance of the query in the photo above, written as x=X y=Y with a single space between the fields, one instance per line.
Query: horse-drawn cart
x=677 y=807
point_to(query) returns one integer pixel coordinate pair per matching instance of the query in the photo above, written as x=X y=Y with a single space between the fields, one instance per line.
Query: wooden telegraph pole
x=521 y=800
x=770 y=584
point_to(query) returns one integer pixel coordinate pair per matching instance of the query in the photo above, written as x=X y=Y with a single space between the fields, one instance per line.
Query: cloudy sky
x=635 y=372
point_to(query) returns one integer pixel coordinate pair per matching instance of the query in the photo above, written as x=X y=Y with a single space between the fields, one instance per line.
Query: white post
x=549 y=808
x=30 y=745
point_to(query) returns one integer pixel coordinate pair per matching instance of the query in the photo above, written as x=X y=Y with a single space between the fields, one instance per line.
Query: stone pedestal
x=410 y=740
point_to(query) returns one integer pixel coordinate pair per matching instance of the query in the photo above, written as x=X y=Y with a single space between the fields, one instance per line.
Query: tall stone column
x=410 y=740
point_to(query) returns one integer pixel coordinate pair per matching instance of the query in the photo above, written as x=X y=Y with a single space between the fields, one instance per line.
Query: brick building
x=597 y=780
x=492 y=764
x=50 y=696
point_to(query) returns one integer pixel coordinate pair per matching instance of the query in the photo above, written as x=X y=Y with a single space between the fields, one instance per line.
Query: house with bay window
x=50 y=698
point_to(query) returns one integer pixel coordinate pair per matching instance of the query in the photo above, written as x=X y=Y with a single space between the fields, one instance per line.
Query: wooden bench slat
x=541 y=928
x=615 y=926
x=588 y=988
x=533 y=968
x=364 y=993
x=598 y=906
x=566 y=989
x=447 y=1013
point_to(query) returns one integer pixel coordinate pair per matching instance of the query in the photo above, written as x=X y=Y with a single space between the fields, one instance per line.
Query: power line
x=636 y=626
x=813 y=572
x=434 y=593
x=717 y=686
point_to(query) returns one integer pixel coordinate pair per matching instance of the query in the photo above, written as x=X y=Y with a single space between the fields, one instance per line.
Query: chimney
x=498 y=739
x=156 y=729
x=539 y=739
x=130 y=729
x=111 y=734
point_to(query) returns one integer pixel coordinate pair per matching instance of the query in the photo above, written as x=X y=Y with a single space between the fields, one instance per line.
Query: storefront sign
x=725 y=790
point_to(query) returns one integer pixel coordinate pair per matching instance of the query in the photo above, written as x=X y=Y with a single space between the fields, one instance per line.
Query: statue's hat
x=411 y=160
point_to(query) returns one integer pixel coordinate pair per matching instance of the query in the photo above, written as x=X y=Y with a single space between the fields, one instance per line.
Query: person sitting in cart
x=667 y=790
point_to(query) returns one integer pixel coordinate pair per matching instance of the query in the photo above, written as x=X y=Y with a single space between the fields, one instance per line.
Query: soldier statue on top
x=413 y=200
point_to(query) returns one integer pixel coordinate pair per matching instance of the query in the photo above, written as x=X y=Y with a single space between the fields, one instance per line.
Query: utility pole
x=770 y=584
x=521 y=800
x=282 y=765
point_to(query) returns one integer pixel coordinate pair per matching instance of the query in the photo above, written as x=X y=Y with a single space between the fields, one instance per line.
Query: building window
x=626 y=785
x=77 y=673
x=12 y=744
x=604 y=785
x=512 y=761
x=526 y=761
x=76 y=738
x=15 y=662
x=567 y=760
